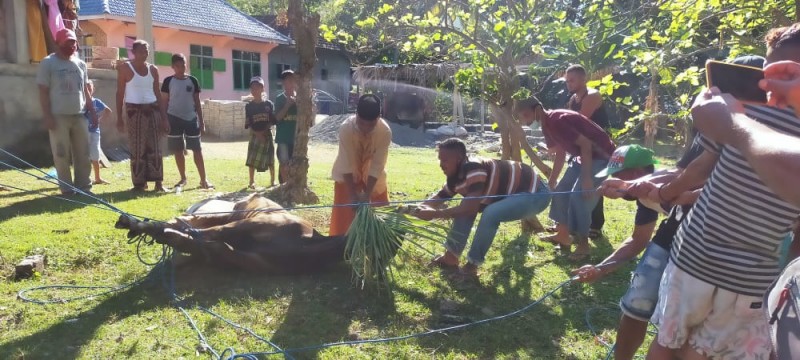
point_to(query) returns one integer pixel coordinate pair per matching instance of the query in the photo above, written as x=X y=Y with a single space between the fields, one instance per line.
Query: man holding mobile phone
x=725 y=253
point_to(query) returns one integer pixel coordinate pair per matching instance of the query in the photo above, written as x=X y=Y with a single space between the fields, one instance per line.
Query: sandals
x=180 y=184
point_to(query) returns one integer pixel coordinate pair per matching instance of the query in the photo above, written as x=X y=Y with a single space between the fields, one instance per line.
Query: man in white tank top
x=138 y=92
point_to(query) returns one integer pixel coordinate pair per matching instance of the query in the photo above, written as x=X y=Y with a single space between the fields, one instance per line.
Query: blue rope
x=398 y=202
x=58 y=181
x=416 y=335
x=169 y=282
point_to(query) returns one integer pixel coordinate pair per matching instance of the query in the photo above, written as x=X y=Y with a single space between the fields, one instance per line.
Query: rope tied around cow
x=164 y=268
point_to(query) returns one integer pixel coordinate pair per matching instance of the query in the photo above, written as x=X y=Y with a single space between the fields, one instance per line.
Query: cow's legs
x=213 y=250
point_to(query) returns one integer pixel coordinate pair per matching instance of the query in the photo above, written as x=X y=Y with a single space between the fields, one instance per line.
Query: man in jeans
x=639 y=302
x=513 y=192
x=569 y=133
x=63 y=94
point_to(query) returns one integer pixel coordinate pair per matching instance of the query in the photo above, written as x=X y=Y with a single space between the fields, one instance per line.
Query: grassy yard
x=84 y=248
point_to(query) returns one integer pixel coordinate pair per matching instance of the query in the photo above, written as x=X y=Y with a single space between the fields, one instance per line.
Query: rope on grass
x=415 y=335
x=169 y=281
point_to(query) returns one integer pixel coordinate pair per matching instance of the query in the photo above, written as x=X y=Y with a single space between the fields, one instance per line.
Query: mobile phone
x=738 y=80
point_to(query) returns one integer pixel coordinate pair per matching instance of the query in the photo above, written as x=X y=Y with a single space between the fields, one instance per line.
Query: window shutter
x=218 y=65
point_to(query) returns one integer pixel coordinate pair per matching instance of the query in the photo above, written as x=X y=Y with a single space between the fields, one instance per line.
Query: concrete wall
x=4 y=31
x=112 y=33
x=335 y=62
x=21 y=130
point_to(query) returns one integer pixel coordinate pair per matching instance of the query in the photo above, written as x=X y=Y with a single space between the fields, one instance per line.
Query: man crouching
x=501 y=190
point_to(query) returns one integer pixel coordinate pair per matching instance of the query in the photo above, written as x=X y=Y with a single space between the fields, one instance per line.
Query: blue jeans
x=575 y=210
x=513 y=207
x=639 y=302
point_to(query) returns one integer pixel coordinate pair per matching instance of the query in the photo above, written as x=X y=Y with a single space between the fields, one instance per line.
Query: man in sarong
x=138 y=93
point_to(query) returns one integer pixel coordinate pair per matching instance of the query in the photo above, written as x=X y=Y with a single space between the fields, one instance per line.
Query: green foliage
x=668 y=39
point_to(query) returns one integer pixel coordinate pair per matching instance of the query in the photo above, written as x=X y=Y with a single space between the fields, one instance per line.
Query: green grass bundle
x=377 y=235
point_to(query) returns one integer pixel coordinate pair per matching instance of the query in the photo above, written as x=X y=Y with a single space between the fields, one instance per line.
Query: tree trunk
x=305 y=31
x=651 y=105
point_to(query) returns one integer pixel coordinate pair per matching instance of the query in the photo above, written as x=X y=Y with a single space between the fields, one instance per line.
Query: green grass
x=84 y=248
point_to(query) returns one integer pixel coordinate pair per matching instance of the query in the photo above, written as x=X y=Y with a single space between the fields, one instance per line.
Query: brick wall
x=100 y=37
x=225 y=119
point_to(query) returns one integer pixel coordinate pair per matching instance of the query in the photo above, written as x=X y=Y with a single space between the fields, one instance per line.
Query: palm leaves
x=376 y=236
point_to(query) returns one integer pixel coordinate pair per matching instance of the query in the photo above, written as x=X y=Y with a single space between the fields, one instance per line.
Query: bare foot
x=160 y=188
x=206 y=185
x=100 y=182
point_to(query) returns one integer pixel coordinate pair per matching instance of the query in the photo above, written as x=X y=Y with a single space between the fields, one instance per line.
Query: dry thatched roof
x=426 y=75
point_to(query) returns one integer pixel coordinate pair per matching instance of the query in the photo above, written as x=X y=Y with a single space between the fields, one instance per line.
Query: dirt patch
x=327 y=131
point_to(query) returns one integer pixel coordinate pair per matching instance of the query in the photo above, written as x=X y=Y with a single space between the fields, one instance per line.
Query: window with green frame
x=245 y=65
x=201 y=65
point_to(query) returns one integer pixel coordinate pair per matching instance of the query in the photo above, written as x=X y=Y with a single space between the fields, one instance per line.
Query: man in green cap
x=628 y=165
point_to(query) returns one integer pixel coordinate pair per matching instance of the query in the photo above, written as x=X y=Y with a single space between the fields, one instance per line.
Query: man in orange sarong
x=359 y=169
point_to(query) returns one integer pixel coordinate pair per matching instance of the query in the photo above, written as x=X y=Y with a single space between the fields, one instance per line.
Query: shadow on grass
x=321 y=309
x=64 y=340
x=509 y=288
x=51 y=204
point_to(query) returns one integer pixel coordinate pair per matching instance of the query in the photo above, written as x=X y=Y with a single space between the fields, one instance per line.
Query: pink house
x=225 y=47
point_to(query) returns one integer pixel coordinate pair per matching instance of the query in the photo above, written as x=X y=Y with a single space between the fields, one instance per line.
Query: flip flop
x=180 y=184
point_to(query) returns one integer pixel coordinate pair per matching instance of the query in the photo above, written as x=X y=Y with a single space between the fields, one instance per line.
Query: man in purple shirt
x=569 y=132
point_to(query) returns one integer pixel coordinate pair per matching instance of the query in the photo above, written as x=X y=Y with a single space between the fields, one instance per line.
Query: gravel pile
x=327 y=131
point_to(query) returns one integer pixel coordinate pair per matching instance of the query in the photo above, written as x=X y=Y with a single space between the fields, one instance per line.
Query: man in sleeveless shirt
x=588 y=102
x=138 y=93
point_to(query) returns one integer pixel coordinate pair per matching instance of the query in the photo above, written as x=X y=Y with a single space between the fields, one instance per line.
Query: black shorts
x=180 y=129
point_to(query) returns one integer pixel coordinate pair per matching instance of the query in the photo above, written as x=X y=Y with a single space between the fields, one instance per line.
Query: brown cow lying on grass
x=260 y=236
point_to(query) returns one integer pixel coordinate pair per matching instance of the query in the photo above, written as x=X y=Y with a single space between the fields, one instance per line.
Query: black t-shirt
x=665 y=234
x=644 y=214
x=692 y=153
x=259 y=115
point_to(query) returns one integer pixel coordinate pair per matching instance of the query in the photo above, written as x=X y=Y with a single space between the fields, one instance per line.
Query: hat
x=369 y=107
x=286 y=73
x=64 y=35
x=257 y=79
x=628 y=157
x=750 y=60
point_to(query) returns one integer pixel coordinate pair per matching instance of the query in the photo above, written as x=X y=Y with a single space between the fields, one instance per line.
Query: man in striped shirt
x=726 y=252
x=502 y=190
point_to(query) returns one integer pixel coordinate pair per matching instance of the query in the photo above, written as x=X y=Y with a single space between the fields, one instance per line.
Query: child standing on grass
x=260 y=118
x=181 y=94
x=94 y=133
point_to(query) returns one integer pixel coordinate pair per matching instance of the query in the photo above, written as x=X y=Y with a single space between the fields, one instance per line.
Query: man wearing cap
x=63 y=96
x=359 y=169
x=628 y=165
x=567 y=132
x=286 y=116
